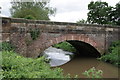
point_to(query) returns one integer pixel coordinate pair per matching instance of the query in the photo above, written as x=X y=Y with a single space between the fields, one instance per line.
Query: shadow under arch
x=84 y=49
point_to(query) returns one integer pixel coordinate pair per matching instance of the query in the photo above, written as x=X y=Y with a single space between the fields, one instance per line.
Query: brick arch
x=82 y=38
x=78 y=37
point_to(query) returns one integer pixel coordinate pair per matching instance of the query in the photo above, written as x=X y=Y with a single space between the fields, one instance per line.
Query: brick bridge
x=82 y=36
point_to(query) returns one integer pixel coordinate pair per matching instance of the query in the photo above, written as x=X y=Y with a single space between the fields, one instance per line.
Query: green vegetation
x=16 y=66
x=1 y=75
x=82 y=21
x=34 y=9
x=30 y=17
x=65 y=46
x=93 y=73
x=113 y=55
x=6 y=46
x=34 y=33
x=101 y=13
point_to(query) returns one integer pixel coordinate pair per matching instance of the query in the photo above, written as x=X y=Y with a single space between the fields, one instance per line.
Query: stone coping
x=21 y=20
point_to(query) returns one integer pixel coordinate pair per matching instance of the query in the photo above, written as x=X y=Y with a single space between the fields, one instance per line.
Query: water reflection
x=56 y=56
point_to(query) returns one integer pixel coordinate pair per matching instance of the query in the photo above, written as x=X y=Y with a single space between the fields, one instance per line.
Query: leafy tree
x=117 y=14
x=99 y=12
x=114 y=15
x=32 y=10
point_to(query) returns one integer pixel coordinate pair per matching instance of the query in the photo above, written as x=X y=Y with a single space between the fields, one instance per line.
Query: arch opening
x=58 y=56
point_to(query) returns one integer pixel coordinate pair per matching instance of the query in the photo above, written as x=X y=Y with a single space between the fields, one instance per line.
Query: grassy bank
x=113 y=55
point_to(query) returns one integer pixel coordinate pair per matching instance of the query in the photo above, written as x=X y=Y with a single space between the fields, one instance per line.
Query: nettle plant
x=93 y=73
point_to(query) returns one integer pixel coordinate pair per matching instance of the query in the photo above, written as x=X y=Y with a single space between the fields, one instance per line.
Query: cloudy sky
x=67 y=10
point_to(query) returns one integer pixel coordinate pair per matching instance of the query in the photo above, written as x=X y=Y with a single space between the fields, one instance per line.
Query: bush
x=113 y=45
x=15 y=66
x=113 y=55
x=34 y=33
x=1 y=75
x=65 y=46
x=6 y=46
x=93 y=73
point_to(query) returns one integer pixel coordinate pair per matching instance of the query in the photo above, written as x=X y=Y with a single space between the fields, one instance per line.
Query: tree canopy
x=101 y=13
x=32 y=10
x=117 y=14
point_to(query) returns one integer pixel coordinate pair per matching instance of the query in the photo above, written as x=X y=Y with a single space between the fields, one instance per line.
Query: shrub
x=93 y=73
x=15 y=66
x=113 y=55
x=6 y=46
x=1 y=75
x=113 y=45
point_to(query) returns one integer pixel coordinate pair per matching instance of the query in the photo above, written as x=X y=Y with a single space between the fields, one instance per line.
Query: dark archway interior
x=84 y=49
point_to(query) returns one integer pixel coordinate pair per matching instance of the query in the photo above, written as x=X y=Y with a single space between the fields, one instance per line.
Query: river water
x=78 y=65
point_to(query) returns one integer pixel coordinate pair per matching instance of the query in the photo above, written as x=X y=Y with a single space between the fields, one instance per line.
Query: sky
x=67 y=10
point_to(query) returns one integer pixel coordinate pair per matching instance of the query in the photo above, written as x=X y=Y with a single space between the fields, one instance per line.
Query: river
x=78 y=65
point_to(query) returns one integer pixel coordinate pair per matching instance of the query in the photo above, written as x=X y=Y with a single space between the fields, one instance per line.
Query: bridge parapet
x=52 y=25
